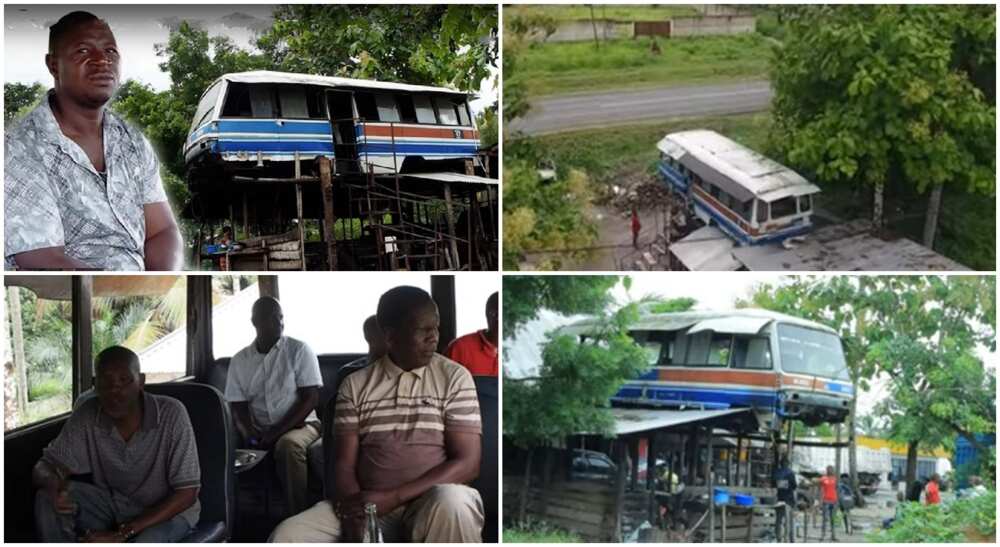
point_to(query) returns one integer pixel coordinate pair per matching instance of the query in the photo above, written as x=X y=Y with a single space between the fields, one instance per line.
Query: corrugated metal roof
x=637 y=420
x=749 y=173
x=732 y=325
x=706 y=249
x=454 y=177
x=684 y=319
x=270 y=76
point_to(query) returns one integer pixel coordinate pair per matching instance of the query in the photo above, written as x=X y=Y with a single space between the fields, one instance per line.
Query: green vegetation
x=554 y=68
x=538 y=533
x=47 y=387
x=605 y=153
x=621 y=12
x=964 y=520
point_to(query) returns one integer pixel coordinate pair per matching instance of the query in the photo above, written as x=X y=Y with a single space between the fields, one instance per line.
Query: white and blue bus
x=753 y=199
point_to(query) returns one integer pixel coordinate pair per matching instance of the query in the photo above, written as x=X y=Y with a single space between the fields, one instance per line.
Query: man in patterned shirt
x=140 y=450
x=82 y=189
x=407 y=434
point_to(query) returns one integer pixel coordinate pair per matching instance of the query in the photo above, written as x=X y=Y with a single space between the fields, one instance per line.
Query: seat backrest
x=212 y=426
x=486 y=483
x=329 y=448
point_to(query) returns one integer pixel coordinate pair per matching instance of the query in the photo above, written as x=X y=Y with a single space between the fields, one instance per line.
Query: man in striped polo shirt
x=407 y=434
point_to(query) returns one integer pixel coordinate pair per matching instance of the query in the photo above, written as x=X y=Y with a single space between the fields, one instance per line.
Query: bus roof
x=737 y=321
x=272 y=77
x=738 y=170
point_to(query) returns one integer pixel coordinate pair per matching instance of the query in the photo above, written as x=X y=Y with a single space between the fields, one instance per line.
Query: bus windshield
x=813 y=352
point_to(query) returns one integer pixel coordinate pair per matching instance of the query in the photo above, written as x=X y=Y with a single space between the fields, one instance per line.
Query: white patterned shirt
x=53 y=195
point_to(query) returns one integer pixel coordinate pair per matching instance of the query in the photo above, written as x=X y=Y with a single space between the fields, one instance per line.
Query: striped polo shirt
x=158 y=459
x=401 y=417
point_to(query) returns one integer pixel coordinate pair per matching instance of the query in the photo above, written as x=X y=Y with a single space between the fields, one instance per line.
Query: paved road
x=606 y=108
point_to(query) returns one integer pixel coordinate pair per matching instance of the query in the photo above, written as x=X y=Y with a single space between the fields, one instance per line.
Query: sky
x=137 y=29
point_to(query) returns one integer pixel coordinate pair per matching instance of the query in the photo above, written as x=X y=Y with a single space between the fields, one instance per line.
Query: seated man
x=141 y=451
x=273 y=386
x=407 y=434
x=82 y=188
x=477 y=351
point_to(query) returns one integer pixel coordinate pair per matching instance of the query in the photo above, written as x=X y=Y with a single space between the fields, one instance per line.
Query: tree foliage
x=421 y=44
x=19 y=98
x=867 y=94
x=524 y=296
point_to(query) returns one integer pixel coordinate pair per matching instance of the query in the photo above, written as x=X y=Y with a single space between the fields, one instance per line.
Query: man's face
x=85 y=64
x=492 y=315
x=118 y=389
x=269 y=321
x=414 y=343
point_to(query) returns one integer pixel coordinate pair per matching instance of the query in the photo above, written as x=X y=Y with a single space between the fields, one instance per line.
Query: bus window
x=805 y=203
x=719 y=349
x=473 y=289
x=152 y=326
x=425 y=111
x=745 y=210
x=292 y=101
x=783 y=207
x=812 y=352
x=206 y=106
x=261 y=101
x=38 y=382
x=367 y=110
x=237 y=104
x=463 y=113
x=232 y=298
x=751 y=353
x=407 y=113
x=446 y=111
x=763 y=211
x=386 y=105
x=714 y=190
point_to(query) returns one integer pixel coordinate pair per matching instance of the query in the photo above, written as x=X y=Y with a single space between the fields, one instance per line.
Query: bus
x=784 y=367
x=185 y=328
x=266 y=119
x=753 y=199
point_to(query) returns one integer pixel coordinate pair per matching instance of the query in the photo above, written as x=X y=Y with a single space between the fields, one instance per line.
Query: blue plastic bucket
x=745 y=500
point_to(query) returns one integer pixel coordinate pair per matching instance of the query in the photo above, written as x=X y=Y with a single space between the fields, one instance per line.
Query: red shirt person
x=932 y=495
x=477 y=351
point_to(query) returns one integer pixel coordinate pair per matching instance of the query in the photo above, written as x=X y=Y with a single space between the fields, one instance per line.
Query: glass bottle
x=373 y=534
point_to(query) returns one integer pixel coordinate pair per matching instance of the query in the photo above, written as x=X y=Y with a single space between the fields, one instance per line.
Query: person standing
x=829 y=501
x=636 y=226
x=784 y=482
x=932 y=493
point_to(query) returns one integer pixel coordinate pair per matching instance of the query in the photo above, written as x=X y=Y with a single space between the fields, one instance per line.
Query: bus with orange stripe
x=263 y=121
x=782 y=366
x=753 y=199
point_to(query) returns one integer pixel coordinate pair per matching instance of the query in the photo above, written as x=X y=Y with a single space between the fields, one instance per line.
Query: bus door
x=340 y=105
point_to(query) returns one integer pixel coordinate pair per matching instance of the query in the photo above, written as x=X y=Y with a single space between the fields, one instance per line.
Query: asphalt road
x=623 y=107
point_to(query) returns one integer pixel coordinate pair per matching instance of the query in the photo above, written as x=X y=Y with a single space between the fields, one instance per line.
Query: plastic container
x=721 y=496
x=744 y=500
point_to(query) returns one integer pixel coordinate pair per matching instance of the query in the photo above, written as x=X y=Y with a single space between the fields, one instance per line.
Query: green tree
x=420 y=44
x=881 y=95
x=18 y=98
x=524 y=296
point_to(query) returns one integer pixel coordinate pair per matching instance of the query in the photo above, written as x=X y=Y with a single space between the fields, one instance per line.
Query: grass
x=566 y=67
x=46 y=388
x=604 y=153
x=539 y=533
x=621 y=12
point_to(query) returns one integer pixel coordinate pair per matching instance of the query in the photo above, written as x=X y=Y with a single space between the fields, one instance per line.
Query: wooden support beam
x=616 y=535
x=329 y=220
x=199 y=326
x=82 y=289
x=302 y=227
x=450 y=215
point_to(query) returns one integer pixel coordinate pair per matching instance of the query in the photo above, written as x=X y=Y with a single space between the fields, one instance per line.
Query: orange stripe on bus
x=762 y=379
x=426 y=132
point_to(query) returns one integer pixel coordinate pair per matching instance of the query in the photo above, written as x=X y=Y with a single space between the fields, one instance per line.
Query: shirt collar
x=485 y=341
x=45 y=120
x=150 y=414
x=280 y=344
x=392 y=370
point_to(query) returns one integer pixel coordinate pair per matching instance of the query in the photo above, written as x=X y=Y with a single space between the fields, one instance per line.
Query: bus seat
x=321 y=472
x=212 y=429
x=489 y=407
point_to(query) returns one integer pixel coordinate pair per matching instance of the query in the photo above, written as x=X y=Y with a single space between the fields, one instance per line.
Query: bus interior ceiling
x=420 y=223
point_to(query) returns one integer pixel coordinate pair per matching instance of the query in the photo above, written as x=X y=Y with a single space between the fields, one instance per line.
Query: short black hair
x=66 y=23
x=493 y=300
x=398 y=304
x=117 y=354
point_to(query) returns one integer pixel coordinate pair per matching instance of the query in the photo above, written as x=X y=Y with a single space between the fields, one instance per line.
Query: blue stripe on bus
x=731 y=397
x=672 y=176
x=270 y=146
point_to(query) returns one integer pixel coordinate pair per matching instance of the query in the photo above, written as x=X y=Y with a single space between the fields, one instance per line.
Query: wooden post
x=633 y=449
x=710 y=482
x=302 y=228
x=326 y=186
x=616 y=536
x=82 y=335
x=651 y=462
x=449 y=213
